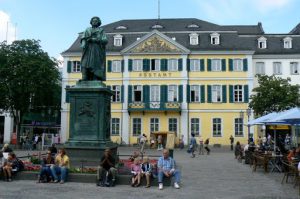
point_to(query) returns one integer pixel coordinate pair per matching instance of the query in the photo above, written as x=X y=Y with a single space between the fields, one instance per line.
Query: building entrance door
x=1 y=129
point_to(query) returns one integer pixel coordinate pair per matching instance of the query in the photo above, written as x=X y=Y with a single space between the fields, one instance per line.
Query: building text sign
x=153 y=74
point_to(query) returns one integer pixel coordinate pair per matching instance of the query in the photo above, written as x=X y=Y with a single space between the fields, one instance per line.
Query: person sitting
x=108 y=164
x=45 y=172
x=136 y=173
x=6 y=149
x=53 y=150
x=135 y=155
x=166 y=167
x=146 y=169
x=291 y=155
x=11 y=165
x=61 y=166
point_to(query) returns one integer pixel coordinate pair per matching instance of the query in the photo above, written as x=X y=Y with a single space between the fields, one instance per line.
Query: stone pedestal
x=90 y=116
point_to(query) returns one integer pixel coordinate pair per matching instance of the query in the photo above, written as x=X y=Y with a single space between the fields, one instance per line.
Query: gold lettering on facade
x=164 y=74
x=151 y=75
x=159 y=75
x=140 y=74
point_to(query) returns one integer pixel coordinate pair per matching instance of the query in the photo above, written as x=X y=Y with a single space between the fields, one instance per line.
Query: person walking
x=231 y=142
x=201 y=145
x=206 y=143
x=193 y=145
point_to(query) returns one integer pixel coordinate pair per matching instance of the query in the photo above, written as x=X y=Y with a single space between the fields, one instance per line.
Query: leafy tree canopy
x=29 y=78
x=274 y=94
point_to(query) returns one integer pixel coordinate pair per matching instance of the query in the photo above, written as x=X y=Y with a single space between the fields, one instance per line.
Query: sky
x=56 y=23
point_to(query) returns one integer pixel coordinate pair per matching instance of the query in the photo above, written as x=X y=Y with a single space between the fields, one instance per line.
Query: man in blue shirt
x=166 y=167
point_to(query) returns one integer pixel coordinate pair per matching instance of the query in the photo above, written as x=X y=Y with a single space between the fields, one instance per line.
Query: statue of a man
x=93 y=42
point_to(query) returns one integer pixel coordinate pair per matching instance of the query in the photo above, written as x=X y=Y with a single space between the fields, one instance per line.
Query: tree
x=28 y=78
x=274 y=94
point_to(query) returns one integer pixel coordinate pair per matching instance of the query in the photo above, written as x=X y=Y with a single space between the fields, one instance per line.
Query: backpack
x=20 y=165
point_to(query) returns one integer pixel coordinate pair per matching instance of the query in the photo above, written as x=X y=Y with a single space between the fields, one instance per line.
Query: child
x=136 y=173
x=146 y=169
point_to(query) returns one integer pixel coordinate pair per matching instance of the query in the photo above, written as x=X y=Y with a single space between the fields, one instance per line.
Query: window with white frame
x=238 y=93
x=262 y=42
x=173 y=125
x=172 y=93
x=116 y=93
x=277 y=68
x=216 y=91
x=155 y=64
x=260 y=68
x=116 y=66
x=136 y=126
x=195 y=93
x=115 y=126
x=287 y=42
x=154 y=124
x=118 y=40
x=238 y=127
x=217 y=127
x=237 y=64
x=294 y=68
x=137 y=93
x=194 y=64
x=194 y=39
x=216 y=65
x=195 y=126
x=76 y=67
x=137 y=65
x=154 y=93
x=215 y=38
x=172 y=65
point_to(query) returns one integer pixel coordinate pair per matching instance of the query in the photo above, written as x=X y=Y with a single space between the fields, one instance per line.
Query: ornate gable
x=155 y=44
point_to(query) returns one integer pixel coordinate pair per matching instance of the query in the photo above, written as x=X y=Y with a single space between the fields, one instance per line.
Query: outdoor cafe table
x=275 y=163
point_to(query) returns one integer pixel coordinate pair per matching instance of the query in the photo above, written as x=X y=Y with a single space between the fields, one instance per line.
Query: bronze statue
x=93 y=42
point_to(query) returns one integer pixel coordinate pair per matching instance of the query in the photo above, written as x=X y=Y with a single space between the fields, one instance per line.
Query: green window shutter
x=129 y=65
x=230 y=64
x=188 y=64
x=224 y=93
x=146 y=93
x=163 y=93
x=122 y=66
x=146 y=64
x=209 y=93
x=129 y=93
x=69 y=67
x=188 y=93
x=246 y=93
x=201 y=64
x=80 y=66
x=67 y=95
x=180 y=93
x=109 y=63
x=245 y=65
x=179 y=64
x=231 y=93
x=208 y=64
x=223 y=64
x=202 y=94
x=163 y=64
x=122 y=93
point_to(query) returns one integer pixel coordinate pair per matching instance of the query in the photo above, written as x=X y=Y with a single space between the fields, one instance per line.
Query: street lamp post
x=248 y=111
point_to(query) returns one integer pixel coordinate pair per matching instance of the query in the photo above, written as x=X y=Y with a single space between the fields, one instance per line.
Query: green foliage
x=274 y=94
x=35 y=160
x=28 y=78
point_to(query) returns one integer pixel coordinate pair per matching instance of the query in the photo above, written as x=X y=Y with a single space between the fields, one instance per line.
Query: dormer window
x=194 y=39
x=118 y=40
x=174 y=38
x=193 y=26
x=121 y=28
x=262 y=43
x=157 y=26
x=287 y=42
x=215 y=38
x=138 y=38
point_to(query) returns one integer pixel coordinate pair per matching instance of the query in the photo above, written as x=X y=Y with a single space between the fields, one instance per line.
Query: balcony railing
x=152 y=106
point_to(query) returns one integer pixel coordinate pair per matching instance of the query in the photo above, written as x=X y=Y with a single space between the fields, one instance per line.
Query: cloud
x=266 y=6
x=7 y=29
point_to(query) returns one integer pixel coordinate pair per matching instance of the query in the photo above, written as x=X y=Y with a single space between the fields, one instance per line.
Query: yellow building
x=181 y=75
